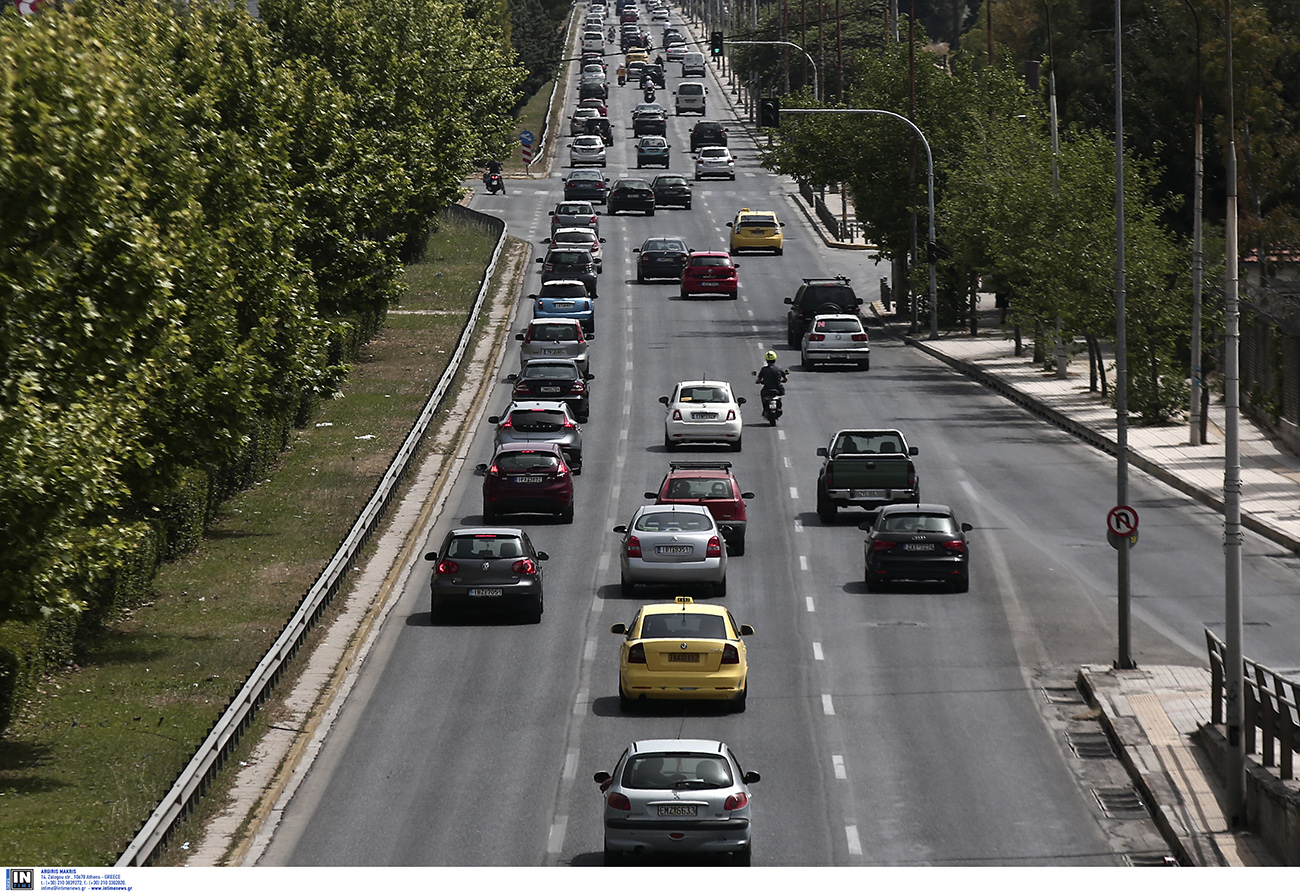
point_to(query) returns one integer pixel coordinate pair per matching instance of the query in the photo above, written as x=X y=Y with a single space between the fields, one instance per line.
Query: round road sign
x=527 y=138
x=1122 y=521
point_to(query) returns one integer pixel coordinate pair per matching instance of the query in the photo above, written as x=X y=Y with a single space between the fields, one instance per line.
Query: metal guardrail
x=561 y=74
x=226 y=732
x=1272 y=714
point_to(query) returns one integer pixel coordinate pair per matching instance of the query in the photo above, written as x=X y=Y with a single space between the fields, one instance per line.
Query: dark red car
x=712 y=485
x=709 y=272
x=527 y=478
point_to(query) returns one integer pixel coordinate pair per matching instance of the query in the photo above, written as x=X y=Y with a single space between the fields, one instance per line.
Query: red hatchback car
x=709 y=272
x=712 y=485
x=527 y=477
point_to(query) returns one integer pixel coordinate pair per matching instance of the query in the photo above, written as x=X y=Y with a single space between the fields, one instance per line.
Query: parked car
x=702 y=411
x=712 y=484
x=554 y=379
x=530 y=478
x=661 y=257
x=709 y=272
x=678 y=796
x=631 y=195
x=652 y=150
x=674 y=544
x=541 y=421
x=492 y=569
x=921 y=541
x=672 y=189
x=836 y=338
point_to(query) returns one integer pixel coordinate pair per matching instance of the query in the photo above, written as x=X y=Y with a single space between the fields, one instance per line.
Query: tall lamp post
x=1124 y=660
x=929 y=182
x=785 y=43
x=1198 y=259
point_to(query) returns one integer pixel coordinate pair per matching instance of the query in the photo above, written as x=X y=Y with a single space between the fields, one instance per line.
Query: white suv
x=690 y=98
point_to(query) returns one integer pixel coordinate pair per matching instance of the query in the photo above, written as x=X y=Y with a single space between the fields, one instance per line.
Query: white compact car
x=702 y=412
x=715 y=161
x=836 y=338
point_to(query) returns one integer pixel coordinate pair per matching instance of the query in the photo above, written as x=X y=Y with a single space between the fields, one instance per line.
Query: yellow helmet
x=770 y=356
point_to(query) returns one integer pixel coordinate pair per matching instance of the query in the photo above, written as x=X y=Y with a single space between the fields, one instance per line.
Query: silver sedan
x=672 y=544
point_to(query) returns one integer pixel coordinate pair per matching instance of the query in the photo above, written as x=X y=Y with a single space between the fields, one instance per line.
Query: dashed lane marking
x=803 y=562
x=589 y=653
x=827 y=706
x=798 y=526
x=837 y=763
x=855 y=845
x=808 y=603
x=794 y=492
x=817 y=651
x=556 y=842
x=580 y=705
x=571 y=764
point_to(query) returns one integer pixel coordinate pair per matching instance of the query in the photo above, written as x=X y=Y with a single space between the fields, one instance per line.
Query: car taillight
x=730 y=655
x=636 y=654
x=507 y=424
x=521 y=387
x=561 y=470
x=548 y=267
x=448 y=567
x=593 y=220
x=731 y=415
x=494 y=470
x=816 y=337
x=615 y=800
x=860 y=336
x=954 y=546
x=633 y=547
x=911 y=477
x=830 y=479
x=714 y=548
x=736 y=801
x=881 y=545
x=524 y=566
x=579 y=387
x=677 y=415
x=569 y=424
x=528 y=336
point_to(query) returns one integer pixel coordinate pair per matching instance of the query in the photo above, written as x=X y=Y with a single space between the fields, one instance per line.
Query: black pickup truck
x=867 y=467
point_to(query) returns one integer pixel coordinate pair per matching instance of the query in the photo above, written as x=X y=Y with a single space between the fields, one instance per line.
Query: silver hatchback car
x=677 y=796
x=554 y=338
x=836 y=338
x=672 y=544
x=541 y=421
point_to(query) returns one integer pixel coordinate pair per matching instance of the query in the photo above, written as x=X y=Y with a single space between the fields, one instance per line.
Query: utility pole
x=1124 y=661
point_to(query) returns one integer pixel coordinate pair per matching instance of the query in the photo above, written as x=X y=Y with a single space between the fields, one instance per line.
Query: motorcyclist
x=622 y=75
x=771 y=378
x=493 y=167
x=659 y=60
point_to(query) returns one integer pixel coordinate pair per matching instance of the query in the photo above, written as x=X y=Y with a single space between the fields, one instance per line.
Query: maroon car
x=712 y=485
x=528 y=478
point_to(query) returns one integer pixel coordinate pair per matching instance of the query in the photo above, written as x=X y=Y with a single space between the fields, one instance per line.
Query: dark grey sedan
x=492 y=569
x=661 y=257
x=672 y=190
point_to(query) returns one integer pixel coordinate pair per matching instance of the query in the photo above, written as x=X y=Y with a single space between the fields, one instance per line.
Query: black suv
x=708 y=133
x=817 y=297
x=569 y=263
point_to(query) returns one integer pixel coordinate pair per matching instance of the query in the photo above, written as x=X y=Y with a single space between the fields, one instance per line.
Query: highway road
x=909 y=727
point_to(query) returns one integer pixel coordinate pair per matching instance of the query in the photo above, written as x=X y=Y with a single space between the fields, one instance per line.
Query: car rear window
x=551 y=331
x=837 y=325
x=570 y=258
x=683 y=625
x=700 y=488
x=485 y=546
x=691 y=90
x=710 y=261
x=552 y=371
x=678 y=770
x=527 y=461
x=756 y=220
x=683 y=521
x=670 y=181
x=703 y=394
x=919 y=523
x=865 y=443
x=663 y=245
x=550 y=290
x=573 y=208
x=829 y=294
x=537 y=420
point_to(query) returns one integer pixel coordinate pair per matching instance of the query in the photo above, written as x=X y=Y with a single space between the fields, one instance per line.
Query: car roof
x=552 y=405
x=540 y=446
x=709 y=382
x=669 y=507
x=575 y=229
x=552 y=320
x=931 y=508
x=669 y=745
x=848 y=316
x=755 y=213
x=710 y=254
x=470 y=531
x=552 y=282
x=694 y=608
x=719 y=473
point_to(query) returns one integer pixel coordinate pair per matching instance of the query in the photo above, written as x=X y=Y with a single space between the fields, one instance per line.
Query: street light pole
x=931 y=251
x=1124 y=660
x=1198 y=257
x=785 y=43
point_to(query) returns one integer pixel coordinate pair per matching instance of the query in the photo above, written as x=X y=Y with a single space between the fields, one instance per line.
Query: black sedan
x=672 y=189
x=920 y=541
x=631 y=195
x=570 y=263
x=554 y=379
x=493 y=569
x=586 y=185
x=661 y=257
x=649 y=119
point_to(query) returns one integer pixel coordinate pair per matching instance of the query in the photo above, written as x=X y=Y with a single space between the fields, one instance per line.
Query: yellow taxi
x=756 y=231
x=682 y=651
x=637 y=56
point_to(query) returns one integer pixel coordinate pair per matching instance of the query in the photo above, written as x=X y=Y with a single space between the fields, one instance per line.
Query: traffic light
x=715 y=43
x=769 y=112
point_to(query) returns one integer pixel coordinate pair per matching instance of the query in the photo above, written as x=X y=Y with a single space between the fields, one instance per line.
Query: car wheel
x=612 y=857
x=640 y=277
x=780 y=251
x=745 y=857
x=738 y=705
x=826 y=509
x=809 y=364
x=669 y=446
x=720 y=589
x=790 y=340
x=873 y=583
x=627 y=587
x=535 y=612
x=489 y=516
x=735 y=447
x=864 y=365
x=737 y=545
x=688 y=206
x=685 y=294
x=732 y=177
x=638 y=165
x=962 y=585
x=650 y=213
x=566 y=516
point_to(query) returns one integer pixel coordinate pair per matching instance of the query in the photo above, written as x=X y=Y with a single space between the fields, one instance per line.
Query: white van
x=690 y=98
x=593 y=42
x=693 y=65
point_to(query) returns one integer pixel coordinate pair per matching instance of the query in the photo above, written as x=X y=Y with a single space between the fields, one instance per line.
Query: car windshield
x=542 y=420
x=697 y=393
x=674 y=521
x=527 y=461
x=676 y=770
x=485 y=546
x=664 y=245
x=710 y=260
x=552 y=371
x=837 y=325
x=699 y=488
x=554 y=332
x=918 y=522
x=670 y=181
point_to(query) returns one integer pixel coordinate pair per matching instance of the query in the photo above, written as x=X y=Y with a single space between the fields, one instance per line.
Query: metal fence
x=1272 y=717
x=226 y=732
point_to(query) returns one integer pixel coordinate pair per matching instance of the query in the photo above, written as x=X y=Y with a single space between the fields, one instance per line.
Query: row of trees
x=202 y=214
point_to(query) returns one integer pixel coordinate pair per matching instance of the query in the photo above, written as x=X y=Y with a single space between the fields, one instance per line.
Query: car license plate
x=529 y=479
x=867 y=494
x=673 y=550
x=683 y=657
x=563 y=305
x=485 y=593
x=552 y=351
x=836 y=355
x=549 y=390
x=678 y=809
x=704 y=416
x=918 y=547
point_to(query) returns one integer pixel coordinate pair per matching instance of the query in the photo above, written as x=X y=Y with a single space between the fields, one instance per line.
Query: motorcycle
x=649 y=93
x=494 y=183
x=771 y=400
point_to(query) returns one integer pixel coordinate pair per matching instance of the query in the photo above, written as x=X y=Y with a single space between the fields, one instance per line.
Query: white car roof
x=848 y=316
x=551 y=405
x=713 y=383
x=657 y=745
x=586 y=230
x=679 y=508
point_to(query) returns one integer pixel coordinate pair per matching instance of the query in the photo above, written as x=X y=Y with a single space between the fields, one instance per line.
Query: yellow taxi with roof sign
x=756 y=231
x=683 y=650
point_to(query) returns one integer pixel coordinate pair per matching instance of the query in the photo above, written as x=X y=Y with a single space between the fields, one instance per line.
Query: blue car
x=582 y=309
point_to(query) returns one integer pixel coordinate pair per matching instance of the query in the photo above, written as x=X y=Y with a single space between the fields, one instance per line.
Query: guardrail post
x=1288 y=708
x=1216 y=678
x=1267 y=715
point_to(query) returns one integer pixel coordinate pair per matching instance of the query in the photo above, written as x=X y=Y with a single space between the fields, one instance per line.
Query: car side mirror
x=966 y=528
x=622 y=528
x=589 y=377
x=912 y=451
x=650 y=494
x=729 y=225
x=746 y=495
x=601 y=777
x=865 y=525
x=619 y=629
x=602 y=241
x=519 y=336
x=430 y=556
x=540 y=260
x=634 y=250
x=482 y=466
x=751 y=778
x=821 y=451
x=740 y=401
x=663 y=400
x=543 y=556
x=735 y=266
x=746 y=629
x=494 y=420
x=532 y=297
x=513 y=376
x=789 y=300
x=590 y=336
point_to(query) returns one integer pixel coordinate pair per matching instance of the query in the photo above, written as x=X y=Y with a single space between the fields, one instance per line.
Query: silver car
x=672 y=544
x=836 y=338
x=553 y=339
x=541 y=421
x=575 y=214
x=588 y=149
x=580 y=237
x=715 y=161
x=578 y=123
x=677 y=796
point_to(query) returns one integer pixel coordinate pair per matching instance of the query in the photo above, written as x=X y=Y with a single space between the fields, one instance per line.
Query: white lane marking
x=808 y=603
x=786 y=460
x=748 y=311
x=580 y=705
x=628 y=366
x=827 y=707
x=596 y=604
x=794 y=492
x=753 y=328
x=780 y=435
x=817 y=651
x=589 y=653
x=798 y=526
x=855 y=845
x=571 y=764
x=556 y=842
x=803 y=562
x=629 y=326
x=837 y=763
x=603 y=564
